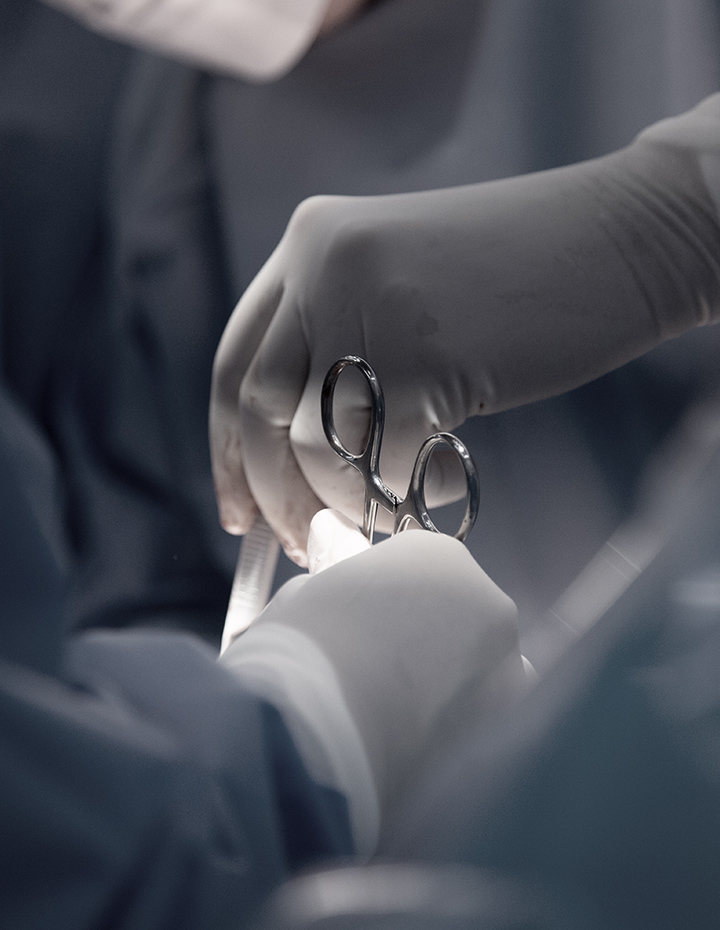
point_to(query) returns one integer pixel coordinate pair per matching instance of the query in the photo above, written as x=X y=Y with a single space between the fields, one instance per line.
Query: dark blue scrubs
x=140 y=785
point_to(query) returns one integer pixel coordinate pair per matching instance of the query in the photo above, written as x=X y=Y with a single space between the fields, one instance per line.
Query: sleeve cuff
x=288 y=669
x=260 y=40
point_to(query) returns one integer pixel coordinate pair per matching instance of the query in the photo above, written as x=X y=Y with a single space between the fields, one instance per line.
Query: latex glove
x=332 y=538
x=260 y=40
x=400 y=644
x=465 y=301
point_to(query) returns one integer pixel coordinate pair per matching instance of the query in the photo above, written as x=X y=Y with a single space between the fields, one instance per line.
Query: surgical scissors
x=413 y=507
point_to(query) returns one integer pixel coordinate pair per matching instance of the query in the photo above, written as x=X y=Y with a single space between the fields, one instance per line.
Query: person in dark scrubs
x=407 y=96
x=187 y=180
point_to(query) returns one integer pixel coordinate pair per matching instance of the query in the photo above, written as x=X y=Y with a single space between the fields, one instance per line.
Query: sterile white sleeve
x=255 y=39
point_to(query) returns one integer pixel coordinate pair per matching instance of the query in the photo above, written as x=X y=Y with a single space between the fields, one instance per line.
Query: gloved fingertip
x=333 y=537
x=233 y=521
x=296 y=554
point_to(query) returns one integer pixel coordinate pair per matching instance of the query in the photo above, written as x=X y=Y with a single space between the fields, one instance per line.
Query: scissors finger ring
x=413 y=507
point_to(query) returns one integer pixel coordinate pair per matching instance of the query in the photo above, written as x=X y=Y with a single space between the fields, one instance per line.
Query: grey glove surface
x=464 y=301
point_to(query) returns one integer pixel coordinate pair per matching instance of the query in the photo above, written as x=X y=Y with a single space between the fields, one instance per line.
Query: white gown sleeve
x=285 y=667
x=255 y=39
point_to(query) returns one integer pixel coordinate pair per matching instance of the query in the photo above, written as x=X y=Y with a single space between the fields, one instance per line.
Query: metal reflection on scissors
x=413 y=508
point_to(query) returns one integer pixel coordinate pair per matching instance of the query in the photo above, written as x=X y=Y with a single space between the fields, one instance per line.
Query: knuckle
x=252 y=399
x=261 y=402
x=354 y=247
x=314 y=212
x=337 y=229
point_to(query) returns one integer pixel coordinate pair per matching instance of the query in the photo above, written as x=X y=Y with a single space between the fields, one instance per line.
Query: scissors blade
x=253 y=579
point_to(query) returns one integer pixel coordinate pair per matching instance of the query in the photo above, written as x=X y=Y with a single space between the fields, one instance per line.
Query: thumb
x=332 y=538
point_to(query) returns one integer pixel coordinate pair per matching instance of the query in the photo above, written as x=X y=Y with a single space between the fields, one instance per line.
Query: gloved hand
x=464 y=301
x=332 y=538
x=408 y=639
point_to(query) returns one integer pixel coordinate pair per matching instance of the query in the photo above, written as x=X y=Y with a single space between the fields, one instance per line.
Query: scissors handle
x=414 y=508
x=371 y=452
x=367 y=461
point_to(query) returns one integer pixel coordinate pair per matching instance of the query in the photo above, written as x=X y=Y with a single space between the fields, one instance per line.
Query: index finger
x=269 y=397
x=243 y=333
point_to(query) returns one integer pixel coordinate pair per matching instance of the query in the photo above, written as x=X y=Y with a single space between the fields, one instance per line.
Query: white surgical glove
x=376 y=659
x=464 y=301
x=332 y=538
x=256 y=39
